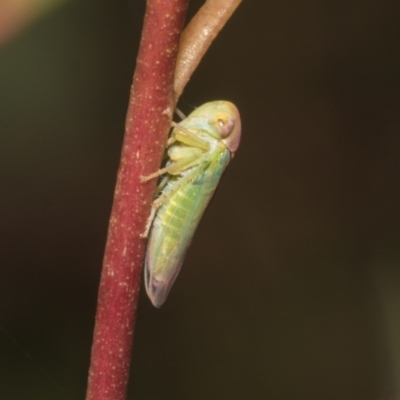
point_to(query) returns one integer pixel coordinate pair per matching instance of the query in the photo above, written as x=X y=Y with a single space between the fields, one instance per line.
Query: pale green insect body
x=201 y=147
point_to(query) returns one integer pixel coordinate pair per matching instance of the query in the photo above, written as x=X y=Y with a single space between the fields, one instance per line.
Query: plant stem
x=198 y=36
x=144 y=142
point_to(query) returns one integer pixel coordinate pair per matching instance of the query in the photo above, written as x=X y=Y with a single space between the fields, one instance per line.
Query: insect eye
x=224 y=124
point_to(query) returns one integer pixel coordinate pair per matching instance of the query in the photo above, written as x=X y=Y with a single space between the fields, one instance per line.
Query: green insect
x=199 y=150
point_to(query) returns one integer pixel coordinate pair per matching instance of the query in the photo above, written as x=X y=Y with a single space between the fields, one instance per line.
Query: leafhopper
x=199 y=149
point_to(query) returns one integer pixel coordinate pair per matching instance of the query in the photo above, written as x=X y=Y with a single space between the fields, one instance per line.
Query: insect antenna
x=180 y=114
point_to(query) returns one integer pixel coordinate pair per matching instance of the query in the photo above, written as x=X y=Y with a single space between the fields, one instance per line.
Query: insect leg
x=145 y=234
x=162 y=184
x=182 y=159
x=180 y=114
x=156 y=174
x=185 y=136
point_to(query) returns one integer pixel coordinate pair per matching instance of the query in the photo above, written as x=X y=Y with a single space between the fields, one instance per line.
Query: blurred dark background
x=291 y=289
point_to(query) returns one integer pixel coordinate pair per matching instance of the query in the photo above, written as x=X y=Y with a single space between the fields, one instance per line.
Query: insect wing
x=158 y=286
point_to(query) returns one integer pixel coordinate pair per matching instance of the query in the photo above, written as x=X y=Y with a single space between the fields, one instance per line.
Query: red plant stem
x=144 y=143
